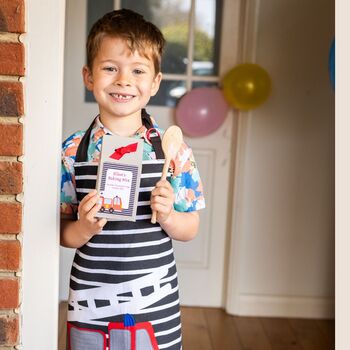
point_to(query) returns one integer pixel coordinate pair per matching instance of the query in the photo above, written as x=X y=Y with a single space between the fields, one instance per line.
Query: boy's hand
x=162 y=200
x=87 y=210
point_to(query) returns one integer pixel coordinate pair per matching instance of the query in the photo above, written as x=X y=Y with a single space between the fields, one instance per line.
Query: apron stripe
x=129 y=225
x=123 y=272
x=118 y=265
x=168 y=331
x=134 y=233
x=168 y=345
x=125 y=258
x=137 y=252
x=99 y=279
x=127 y=245
x=127 y=238
x=165 y=320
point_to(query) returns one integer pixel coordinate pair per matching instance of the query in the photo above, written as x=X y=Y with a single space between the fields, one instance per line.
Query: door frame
x=43 y=85
x=248 y=32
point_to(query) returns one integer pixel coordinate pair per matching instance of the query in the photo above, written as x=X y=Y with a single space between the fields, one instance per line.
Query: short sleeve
x=186 y=182
x=68 y=201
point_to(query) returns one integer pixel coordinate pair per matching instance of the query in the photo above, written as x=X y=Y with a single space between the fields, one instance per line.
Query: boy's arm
x=71 y=234
x=181 y=226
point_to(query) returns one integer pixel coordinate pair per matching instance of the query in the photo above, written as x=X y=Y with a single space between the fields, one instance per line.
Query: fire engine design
x=111 y=204
x=126 y=335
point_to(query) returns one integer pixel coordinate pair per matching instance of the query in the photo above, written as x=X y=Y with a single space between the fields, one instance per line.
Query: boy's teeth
x=124 y=97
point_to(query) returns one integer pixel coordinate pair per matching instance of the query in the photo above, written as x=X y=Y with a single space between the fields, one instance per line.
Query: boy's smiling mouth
x=121 y=97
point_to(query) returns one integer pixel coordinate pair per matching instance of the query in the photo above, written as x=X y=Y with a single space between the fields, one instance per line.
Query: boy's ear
x=156 y=82
x=87 y=76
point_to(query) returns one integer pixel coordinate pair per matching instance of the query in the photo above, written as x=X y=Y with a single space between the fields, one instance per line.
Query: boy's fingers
x=163 y=183
x=161 y=189
x=163 y=192
x=101 y=222
x=161 y=200
x=161 y=208
x=93 y=211
x=89 y=204
x=89 y=195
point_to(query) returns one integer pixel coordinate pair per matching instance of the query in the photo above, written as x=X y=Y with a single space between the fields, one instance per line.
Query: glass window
x=207 y=38
x=169 y=92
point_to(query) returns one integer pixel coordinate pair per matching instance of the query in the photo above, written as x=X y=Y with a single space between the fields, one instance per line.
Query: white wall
x=283 y=230
x=43 y=84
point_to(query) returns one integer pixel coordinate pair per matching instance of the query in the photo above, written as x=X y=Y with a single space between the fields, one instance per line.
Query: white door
x=201 y=262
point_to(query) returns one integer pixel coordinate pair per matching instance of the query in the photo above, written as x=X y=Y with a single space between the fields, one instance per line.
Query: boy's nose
x=123 y=79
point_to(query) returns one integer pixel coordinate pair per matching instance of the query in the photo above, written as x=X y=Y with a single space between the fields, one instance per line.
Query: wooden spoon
x=171 y=143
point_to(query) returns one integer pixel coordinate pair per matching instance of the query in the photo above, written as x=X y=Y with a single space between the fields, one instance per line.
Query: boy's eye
x=110 y=69
x=138 y=71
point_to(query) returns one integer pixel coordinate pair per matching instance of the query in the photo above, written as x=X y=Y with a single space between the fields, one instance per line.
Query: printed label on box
x=119 y=177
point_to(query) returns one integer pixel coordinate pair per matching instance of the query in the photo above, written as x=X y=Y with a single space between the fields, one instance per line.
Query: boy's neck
x=122 y=126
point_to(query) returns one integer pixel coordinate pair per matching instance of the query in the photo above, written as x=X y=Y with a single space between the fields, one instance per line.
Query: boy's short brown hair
x=139 y=35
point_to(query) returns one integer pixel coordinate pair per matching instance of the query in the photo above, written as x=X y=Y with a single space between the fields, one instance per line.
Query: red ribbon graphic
x=119 y=152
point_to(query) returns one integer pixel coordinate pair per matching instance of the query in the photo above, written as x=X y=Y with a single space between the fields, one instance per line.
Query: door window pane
x=169 y=93
x=199 y=84
x=172 y=18
x=207 y=37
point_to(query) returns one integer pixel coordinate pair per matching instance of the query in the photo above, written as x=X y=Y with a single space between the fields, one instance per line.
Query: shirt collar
x=100 y=130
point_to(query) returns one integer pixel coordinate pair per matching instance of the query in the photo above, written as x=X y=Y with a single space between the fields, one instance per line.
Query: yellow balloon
x=246 y=86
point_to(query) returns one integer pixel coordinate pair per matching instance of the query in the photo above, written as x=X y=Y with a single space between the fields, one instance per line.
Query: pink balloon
x=201 y=111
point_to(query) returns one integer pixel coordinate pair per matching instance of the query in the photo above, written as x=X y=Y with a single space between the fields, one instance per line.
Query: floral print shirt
x=185 y=179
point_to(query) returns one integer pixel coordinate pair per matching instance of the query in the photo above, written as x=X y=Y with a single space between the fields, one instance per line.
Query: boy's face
x=121 y=81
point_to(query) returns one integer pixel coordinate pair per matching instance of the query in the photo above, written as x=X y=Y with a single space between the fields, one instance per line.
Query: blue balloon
x=331 y=64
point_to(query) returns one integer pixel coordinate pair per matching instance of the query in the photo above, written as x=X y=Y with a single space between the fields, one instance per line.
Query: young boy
x=123 y=285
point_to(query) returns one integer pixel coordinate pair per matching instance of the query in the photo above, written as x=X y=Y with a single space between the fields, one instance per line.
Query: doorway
x=201 y=262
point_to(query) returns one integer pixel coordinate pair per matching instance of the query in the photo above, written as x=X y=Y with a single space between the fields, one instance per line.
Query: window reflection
x=198 y=84
x=207 y=37
x=169 y=93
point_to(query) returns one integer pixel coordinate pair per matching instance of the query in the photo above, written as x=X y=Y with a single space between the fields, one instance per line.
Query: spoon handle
x=163 y=177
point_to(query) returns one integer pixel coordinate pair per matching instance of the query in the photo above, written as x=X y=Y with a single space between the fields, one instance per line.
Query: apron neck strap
x=155 y=139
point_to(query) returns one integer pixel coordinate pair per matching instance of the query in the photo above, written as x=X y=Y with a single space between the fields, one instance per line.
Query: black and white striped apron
x=128 y=268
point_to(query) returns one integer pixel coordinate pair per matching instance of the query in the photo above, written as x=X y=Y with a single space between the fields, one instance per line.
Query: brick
x=10 y=218
x=12 y=16
x=11 y=58
x=11 y=178
x=11 y=139
x=11 y=98
x=10 y=255
x=9 y=291
x=9 y=330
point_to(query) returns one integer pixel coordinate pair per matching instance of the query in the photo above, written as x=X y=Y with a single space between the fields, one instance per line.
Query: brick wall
x=11 y=168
